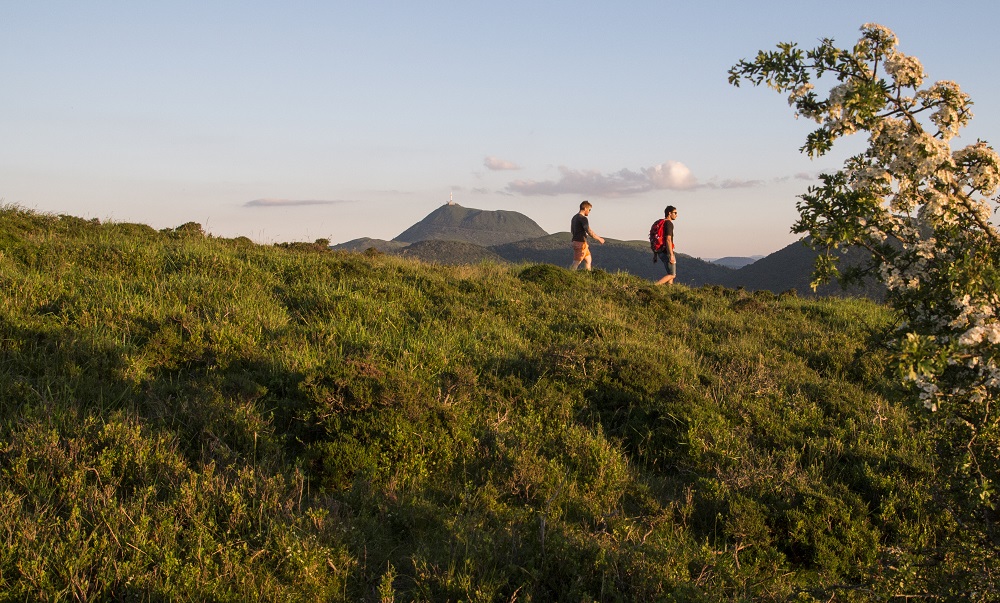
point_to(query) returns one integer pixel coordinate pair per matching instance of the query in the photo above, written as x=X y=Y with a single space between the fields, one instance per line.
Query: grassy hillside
x=448 y=252
x=191 y=418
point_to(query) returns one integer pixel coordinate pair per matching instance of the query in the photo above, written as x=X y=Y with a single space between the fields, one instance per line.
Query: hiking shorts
x=580 y=251
x=665 y=258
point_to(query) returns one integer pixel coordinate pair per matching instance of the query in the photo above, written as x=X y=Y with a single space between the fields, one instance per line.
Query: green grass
x=193 y=418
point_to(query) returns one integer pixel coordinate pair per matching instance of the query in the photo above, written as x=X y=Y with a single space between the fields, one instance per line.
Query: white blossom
x=871 y=177
x=798 y=93
x=892 y=277
x=972 y=337
x=983 y=167
x=929 y=393
x=926 y=248
x=952 y=104
x=905 y=70
x=882 y=29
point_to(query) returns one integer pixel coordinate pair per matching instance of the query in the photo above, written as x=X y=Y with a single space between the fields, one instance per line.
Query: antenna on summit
x=451 y=198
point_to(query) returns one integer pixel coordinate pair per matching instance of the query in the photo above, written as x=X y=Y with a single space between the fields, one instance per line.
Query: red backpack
x=656 y=238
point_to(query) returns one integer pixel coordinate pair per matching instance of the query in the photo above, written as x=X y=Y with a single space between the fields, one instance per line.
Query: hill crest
x=453 y=234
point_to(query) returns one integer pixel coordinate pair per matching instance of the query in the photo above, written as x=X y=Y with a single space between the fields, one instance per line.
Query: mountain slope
x=485 y=228
x=366 y=243
x=448 y=252
x=791 y=268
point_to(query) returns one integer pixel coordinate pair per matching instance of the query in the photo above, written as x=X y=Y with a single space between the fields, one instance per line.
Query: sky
x=305 y=120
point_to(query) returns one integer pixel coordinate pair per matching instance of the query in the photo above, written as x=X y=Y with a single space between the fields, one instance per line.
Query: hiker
x=579 y=226
x=666 y=251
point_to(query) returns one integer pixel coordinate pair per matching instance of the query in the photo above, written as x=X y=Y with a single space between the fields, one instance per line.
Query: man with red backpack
x=661 y=240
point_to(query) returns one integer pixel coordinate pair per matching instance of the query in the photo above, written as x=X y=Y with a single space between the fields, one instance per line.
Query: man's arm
x=595 y=236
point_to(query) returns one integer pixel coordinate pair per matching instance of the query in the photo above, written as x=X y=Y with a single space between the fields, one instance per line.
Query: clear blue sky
x=299 y=120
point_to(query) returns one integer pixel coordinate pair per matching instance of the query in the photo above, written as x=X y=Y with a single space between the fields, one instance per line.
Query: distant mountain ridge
x=453 y=234
x=736 y=262
x=366 y=243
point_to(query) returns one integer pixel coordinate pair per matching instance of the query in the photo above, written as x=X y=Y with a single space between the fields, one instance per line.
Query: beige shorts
x=580 y=251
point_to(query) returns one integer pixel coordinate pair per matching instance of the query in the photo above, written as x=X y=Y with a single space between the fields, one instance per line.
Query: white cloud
x=288 y=202
x=730 y=183
x=671 y=175
x=497 y=164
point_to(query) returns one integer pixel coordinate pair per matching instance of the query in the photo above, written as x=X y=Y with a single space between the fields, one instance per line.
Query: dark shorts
x=665 y=258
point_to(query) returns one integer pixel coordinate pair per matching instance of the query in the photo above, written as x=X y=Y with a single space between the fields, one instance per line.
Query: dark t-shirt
x=579 y=226
x=664 y=252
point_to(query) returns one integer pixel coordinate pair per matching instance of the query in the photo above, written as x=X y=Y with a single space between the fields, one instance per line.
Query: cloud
x=671 y=175
x=798 y=176
x=288 y=202
x=497 y=164
x=733 y=183
x=730 y=183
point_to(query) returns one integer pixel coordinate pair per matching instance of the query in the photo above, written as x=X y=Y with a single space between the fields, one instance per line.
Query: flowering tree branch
x=921 y=209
